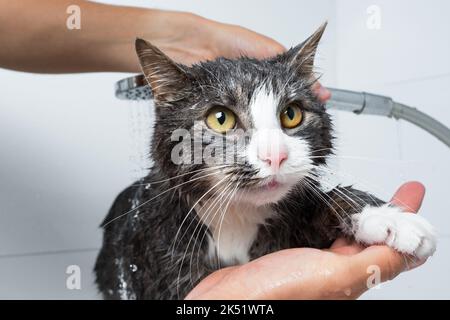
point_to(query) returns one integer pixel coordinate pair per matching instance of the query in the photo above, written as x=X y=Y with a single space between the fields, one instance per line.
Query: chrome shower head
x=133 y=88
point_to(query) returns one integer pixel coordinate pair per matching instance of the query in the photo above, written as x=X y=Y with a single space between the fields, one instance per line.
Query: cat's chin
x=268 y=193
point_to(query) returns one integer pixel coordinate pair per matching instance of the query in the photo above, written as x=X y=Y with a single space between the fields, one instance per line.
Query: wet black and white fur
x=169 y=230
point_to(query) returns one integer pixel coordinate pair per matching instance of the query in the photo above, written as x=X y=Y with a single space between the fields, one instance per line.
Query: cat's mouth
x=268 y=184
x=266 y=190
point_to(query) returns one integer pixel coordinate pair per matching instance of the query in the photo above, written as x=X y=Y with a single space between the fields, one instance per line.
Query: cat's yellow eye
x=291 y=116
x=221 y=119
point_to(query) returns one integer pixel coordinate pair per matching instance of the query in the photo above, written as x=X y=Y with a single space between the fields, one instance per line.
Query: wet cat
x=238 y=148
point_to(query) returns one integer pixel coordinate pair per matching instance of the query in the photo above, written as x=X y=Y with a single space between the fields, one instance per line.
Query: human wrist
x=169 y=30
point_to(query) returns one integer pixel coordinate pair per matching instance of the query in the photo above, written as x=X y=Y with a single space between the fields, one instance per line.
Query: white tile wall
x=65 y=153
x=44 y=276
x=412 y=43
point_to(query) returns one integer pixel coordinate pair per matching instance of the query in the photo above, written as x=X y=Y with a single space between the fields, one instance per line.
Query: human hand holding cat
x=189 y=38
x=340 y=272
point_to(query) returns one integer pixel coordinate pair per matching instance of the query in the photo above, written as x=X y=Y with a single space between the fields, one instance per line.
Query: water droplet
x=132 y=297
x=134 y=204
x=147 y=186
x=133 y=267
x=110 y=292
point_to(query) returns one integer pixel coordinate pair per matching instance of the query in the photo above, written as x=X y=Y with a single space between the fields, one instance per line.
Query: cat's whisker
x=319 y=194
x=370 y=159
x=322 y=149
x=321 y=181
x=189 y=242
x=221 y=221
x=210 y=205
x=343 y=211
x=181 y=261
x=340 y=173
x=181 y=175
x=187 y=215
x=357 y=207
x=208 y=224
x=206 y=218
x=338 y=190
x=206 y=231
x=151 y=199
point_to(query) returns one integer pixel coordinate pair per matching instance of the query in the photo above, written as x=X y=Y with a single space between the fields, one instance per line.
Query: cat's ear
x=301 y=57
x=167 y=80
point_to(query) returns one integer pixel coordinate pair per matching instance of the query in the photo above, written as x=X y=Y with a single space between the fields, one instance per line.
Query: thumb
x=409 y=196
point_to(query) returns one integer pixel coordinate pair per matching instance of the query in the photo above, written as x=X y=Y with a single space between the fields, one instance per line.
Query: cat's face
x=251 y=128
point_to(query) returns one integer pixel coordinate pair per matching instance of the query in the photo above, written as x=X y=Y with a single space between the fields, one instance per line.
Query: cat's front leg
x=370 y=222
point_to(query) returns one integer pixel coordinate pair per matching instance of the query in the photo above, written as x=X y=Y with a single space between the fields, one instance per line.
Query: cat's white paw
x=407 y=233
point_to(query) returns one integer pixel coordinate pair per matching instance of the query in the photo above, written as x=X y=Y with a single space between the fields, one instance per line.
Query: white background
x=68 y=146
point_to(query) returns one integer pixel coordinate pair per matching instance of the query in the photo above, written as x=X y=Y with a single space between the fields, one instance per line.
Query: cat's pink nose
x=273 y=159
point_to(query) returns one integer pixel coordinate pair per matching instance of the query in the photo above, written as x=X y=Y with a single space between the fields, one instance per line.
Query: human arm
x=35 y=37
